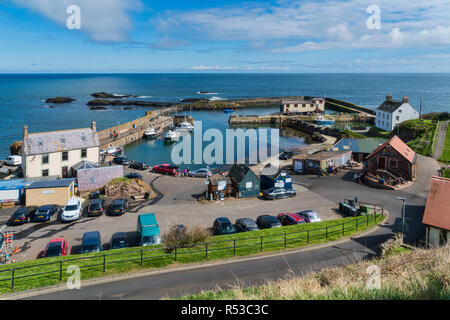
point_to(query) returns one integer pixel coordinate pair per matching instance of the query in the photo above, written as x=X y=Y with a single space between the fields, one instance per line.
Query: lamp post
x=403 y=215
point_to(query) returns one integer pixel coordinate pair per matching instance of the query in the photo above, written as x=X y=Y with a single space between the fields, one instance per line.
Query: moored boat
x=321 y=120
x=152 y=132
x=172 y=135
x=185 y=126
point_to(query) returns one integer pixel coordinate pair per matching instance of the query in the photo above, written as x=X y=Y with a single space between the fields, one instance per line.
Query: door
x=65 y=172
x=381 y=163
x=298 y=166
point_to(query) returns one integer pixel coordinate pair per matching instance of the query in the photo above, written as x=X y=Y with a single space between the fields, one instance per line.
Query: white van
x=13 y=160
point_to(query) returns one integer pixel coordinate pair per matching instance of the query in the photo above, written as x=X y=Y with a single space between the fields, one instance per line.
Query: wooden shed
x=279 y=179
x=244 y=181
x=218 y=186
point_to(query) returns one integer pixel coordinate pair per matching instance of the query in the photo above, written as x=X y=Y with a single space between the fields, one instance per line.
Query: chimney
x=94 y=126
x=405 y=99
x=388 y=97
x=25 y=132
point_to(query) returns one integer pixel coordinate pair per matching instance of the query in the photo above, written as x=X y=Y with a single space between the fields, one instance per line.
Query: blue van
x=148 y=230
x=91 y=242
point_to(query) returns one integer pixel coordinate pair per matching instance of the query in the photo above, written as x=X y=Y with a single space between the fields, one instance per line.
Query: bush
x=188 y=237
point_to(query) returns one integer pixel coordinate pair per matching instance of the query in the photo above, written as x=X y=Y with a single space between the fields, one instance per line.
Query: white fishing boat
x=324 y=121
x=172 y=135
x=153 y=132
x=185 y=126
x=114 y=150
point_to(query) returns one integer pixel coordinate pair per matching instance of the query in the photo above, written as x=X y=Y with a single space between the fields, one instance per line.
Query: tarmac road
x=176 y=283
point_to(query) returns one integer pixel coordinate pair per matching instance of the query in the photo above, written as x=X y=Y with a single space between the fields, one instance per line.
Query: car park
x=55 y=248
x=91 y=242
x=148 y=230
x=289 y=219
x=95 y=208
x=22 y=215
x=245 y=225
x=309 y=216
x=139 y=166
x=46 y=212
x=278 y=193
x=121 y=160
x=118 y=241
x=267 y=222
x=200 y=173
x=222 y=226
x=134 y=175
x=118 y=207
x=72 y=210
x=166 y=169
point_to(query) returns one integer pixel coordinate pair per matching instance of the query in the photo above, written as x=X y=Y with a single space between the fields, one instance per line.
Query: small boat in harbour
x=228 y=110
x=172 y=135
x=152 y=132
x=114 y=150
x=185 y=126
x=321 y=120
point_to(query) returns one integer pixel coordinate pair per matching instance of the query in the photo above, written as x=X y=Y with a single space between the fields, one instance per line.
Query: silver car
x=309 y=216
x=201 y=173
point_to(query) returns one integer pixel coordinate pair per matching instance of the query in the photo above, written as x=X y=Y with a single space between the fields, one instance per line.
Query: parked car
x=139 y=166
x=22 y=215
x=278 y=193
x=286 y=155
x=45 y=213
x=223 y=226
x=310 y=216
x=72 y=210
x=118 y=241
x=55 y=248
x=134 y=175
x=121 y=160
x=91 y=242
x=289 y=219
x=200 y=173
x=13 y=160
x=245 y=224
x=267 y=222
x=148 y=230
x=96 y=208
x=166 y=169
x=118 y=207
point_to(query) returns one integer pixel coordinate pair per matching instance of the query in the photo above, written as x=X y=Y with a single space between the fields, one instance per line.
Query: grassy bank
x=54 y=270
x=446 y=150
x=404 y=274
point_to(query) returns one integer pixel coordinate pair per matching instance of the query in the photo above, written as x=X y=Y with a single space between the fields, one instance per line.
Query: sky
x=224 y=36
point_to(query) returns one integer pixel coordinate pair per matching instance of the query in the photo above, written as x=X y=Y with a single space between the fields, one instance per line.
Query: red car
x=55 y=248
x=166 y=169
x=289 y=219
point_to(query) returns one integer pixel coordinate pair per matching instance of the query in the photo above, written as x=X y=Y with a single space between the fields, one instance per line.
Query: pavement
x=252 y=271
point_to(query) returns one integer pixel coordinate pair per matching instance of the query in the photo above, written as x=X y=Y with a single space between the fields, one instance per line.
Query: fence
x=232 y=247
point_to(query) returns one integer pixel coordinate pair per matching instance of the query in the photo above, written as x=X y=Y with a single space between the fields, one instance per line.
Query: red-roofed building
x=437 y=212
x=394 y=156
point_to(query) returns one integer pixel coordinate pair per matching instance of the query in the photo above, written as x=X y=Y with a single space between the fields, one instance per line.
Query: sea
x=22 y=99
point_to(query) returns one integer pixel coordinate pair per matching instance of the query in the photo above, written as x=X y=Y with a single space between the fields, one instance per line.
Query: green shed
x=244 y=181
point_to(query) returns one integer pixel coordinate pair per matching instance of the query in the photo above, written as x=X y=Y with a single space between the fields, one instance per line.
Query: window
x=65 y=156
x=400 y=111
x=83 y=153
x=397 y=118
x=45 y=159
x=393 y=163
x=45 y=173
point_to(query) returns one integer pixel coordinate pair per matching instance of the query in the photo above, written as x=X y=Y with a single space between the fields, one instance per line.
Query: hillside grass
x=446 y=149
x=219 y=247
x=404 y=274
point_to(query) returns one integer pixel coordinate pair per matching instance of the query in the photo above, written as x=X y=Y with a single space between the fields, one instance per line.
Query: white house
x=55 y=153
x=303 y=105
x=391 y=112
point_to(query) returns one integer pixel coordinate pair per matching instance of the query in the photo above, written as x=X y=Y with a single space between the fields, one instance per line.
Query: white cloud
x=203 y=68
x=101 y=20
x=291 y=26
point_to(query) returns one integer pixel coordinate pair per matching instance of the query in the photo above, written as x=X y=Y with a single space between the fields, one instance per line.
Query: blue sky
x=225 y=36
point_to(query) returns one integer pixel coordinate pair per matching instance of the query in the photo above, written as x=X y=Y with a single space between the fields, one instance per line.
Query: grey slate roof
x=59 y=183
x=58 y=141
x=238 y=172
x=390 y=106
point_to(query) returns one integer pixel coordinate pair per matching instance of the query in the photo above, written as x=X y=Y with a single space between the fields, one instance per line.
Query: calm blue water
x=22 y=97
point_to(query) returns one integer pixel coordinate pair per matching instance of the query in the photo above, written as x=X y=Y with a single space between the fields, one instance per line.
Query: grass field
x=50 y=271
x=446 y=150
